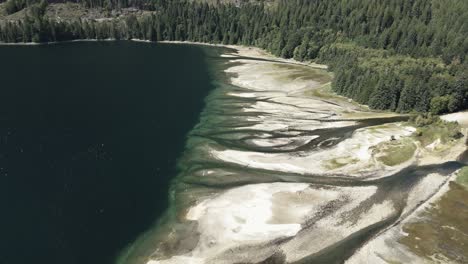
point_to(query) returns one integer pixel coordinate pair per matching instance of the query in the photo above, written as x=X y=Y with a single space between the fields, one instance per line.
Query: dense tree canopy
x=401 y=55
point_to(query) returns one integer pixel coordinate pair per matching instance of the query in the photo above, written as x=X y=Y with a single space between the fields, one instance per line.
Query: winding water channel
x=260 y=147
x=99 y=137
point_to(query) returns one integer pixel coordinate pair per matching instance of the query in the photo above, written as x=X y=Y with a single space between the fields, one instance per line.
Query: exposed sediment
x=275 y=172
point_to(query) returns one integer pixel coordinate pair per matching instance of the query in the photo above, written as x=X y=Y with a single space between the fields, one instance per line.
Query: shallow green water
x=89 y=137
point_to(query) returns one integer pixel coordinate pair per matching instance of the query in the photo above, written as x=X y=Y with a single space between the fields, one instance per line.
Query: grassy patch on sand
x=431 y=128
x=323 y=92
x=339 y=162
x=462 y=177
x=442 y=233
x=395 y=152
x=2 y=10
x=305 y=73
x=378 y=128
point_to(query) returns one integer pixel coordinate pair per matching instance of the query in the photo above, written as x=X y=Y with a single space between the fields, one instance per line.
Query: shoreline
x=255 y=51
x=254 y=85
x=282 y=113
x=244 y=51
x=250 y=51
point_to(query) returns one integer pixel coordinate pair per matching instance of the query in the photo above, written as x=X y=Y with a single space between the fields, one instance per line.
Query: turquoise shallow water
x=90 y=133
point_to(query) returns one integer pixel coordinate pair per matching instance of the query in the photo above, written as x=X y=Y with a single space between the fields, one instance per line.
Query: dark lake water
x=89 y=137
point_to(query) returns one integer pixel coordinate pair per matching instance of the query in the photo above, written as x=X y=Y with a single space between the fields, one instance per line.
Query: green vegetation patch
x=323 y=92
x=395 y=152
x=462 y=177
x=386 y=81
x=339 y=162
x=304 y=73
x=378 y=128
x=2 y=10
x=443 y=232
x=431 y=128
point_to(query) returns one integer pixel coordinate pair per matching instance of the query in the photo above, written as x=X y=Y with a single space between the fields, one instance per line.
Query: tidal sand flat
x=281 y=170
x=436 y=231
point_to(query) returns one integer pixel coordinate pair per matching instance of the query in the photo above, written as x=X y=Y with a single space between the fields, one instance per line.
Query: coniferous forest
x=399 y=55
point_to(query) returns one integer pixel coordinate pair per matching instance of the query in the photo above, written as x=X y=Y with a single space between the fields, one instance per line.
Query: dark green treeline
x=400 y=55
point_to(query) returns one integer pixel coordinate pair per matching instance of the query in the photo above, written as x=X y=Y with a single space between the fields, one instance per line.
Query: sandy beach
x=291 y=174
